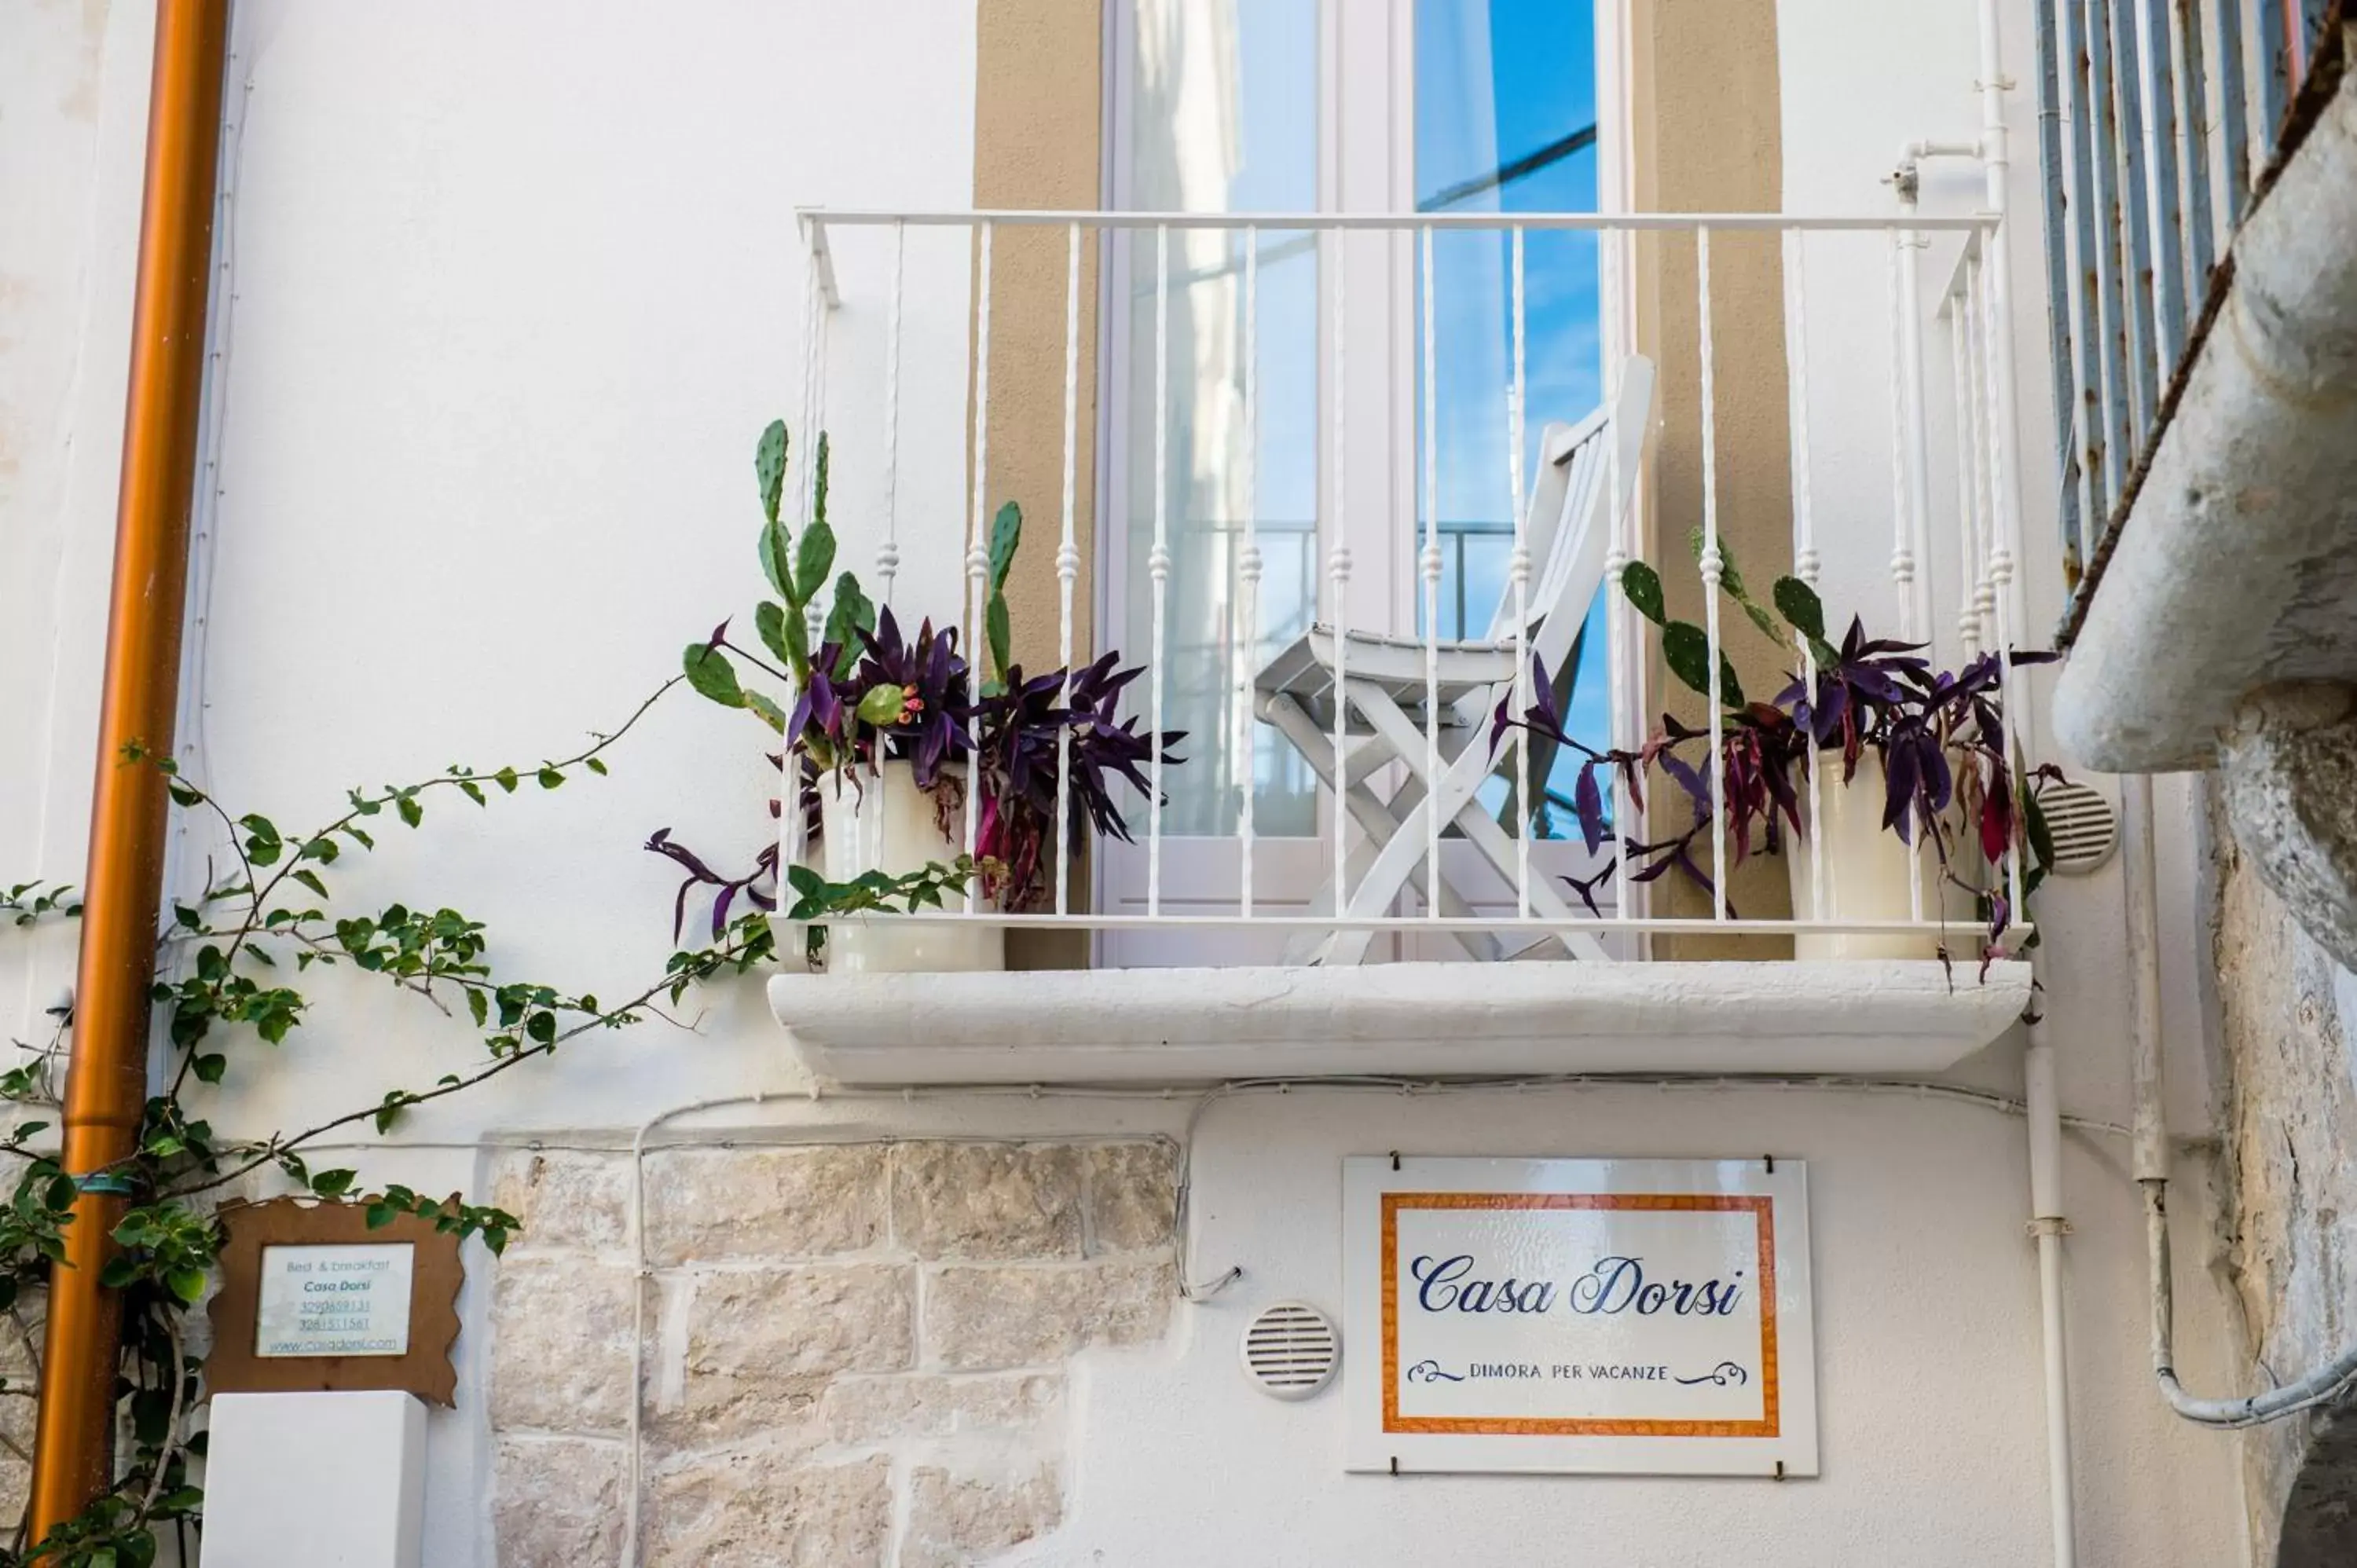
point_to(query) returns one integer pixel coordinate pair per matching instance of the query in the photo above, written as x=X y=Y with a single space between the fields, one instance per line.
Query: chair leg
x=1378 y=821
x=1456 y=795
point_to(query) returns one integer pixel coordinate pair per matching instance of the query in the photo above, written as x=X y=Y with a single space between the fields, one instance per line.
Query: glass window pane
x=1223 y=118
x=1505 y=121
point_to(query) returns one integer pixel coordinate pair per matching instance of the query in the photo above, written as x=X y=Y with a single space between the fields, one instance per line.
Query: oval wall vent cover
x=2079 y=821
x=1290 y=1349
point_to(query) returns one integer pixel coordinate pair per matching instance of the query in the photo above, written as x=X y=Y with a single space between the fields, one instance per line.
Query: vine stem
x=712 y=958
x=260 y=892
x=171 y=1421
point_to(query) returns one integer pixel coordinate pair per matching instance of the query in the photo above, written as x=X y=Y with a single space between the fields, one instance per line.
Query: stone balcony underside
x=1182 y=1026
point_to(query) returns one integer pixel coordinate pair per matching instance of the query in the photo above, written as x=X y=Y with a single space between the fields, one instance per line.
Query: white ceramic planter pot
x=1867 y=871
x=884 y=822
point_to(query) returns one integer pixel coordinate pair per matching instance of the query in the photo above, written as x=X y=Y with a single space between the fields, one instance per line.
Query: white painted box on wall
x=324 y=1480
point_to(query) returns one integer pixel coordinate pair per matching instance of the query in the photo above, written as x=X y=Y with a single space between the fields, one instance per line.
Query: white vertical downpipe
x=2046 y=1220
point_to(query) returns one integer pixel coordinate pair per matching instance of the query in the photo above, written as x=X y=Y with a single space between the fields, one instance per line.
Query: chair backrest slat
x=1571 y=546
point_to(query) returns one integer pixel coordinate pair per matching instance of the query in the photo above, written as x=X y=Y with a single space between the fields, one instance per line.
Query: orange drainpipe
x=106 y=1084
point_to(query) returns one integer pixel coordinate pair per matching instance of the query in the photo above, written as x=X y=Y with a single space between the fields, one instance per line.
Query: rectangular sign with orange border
x=1600 y=1316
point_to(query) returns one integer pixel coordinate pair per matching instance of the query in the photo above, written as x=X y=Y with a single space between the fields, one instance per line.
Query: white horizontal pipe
x=818 y=219
x=2322 y=1386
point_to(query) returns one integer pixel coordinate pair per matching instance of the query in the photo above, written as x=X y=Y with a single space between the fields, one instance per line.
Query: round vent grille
x=1291 y=1350
x=2079 y=821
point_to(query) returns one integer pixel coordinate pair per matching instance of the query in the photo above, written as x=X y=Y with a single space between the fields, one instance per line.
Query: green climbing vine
x=233 y=964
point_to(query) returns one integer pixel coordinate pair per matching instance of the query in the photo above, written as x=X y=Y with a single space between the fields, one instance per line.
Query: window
x=1290 y=105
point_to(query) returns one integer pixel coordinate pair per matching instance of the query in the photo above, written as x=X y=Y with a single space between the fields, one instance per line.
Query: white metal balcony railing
x=2150 y=154
x=1962 y=549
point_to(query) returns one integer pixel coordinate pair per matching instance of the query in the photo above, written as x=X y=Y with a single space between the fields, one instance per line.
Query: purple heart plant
x=871 y=693
x=1948 y=780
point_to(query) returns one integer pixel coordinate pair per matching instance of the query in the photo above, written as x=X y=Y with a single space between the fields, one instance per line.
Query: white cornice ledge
x=1182 y=1026
x=2235 y=568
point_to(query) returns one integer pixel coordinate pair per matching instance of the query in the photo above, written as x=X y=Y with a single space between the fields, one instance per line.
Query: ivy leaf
x=333 y=1183
x=1006 y=534
x=506 y=779
x=481 y=1008
x=549 y=777
x=1642 y=586
x=310 y=879
x=594 y=765
x=769 y=467
x=708 y=671
x=409 y=811
x=184 y=794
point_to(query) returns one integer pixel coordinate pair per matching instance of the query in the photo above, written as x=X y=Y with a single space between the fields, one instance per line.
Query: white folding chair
x=1567 y=527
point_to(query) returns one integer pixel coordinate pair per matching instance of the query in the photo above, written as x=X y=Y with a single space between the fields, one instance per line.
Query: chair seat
x=1304 y=669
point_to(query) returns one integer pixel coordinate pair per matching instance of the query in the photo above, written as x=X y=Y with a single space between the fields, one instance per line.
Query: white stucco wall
x=513 y=288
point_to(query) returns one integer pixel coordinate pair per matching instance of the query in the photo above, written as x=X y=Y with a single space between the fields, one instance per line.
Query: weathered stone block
x=980 y=1317
x=1133 y=1196
x=860 y=1411
x=560 y=1331
x=955 y=1520
x=749 y=1511
x=762 y=1345
x=566 y=1198
x=987 y=1200
x=557 y=1502
x=763 y=1203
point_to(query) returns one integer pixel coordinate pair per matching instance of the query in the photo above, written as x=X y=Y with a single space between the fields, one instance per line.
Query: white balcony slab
x=1179 y=1026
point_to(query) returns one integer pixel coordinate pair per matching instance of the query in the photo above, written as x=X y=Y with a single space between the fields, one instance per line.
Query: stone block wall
x=854 y=1355
x=2288 y=1180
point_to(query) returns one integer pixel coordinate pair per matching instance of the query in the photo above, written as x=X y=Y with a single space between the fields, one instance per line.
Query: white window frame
x=1366 y=163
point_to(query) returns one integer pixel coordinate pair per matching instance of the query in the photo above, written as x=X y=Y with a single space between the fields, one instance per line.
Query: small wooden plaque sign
x=313 y=1299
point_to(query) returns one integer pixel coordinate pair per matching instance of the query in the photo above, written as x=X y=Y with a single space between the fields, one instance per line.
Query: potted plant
x=1912 y=779
x=888 y=733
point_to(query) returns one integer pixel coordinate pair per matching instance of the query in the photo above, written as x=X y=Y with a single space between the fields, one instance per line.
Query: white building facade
x=906 y=1269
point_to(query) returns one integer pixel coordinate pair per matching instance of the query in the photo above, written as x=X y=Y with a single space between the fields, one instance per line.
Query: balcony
x=2203 y=413
x=1346 y=520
